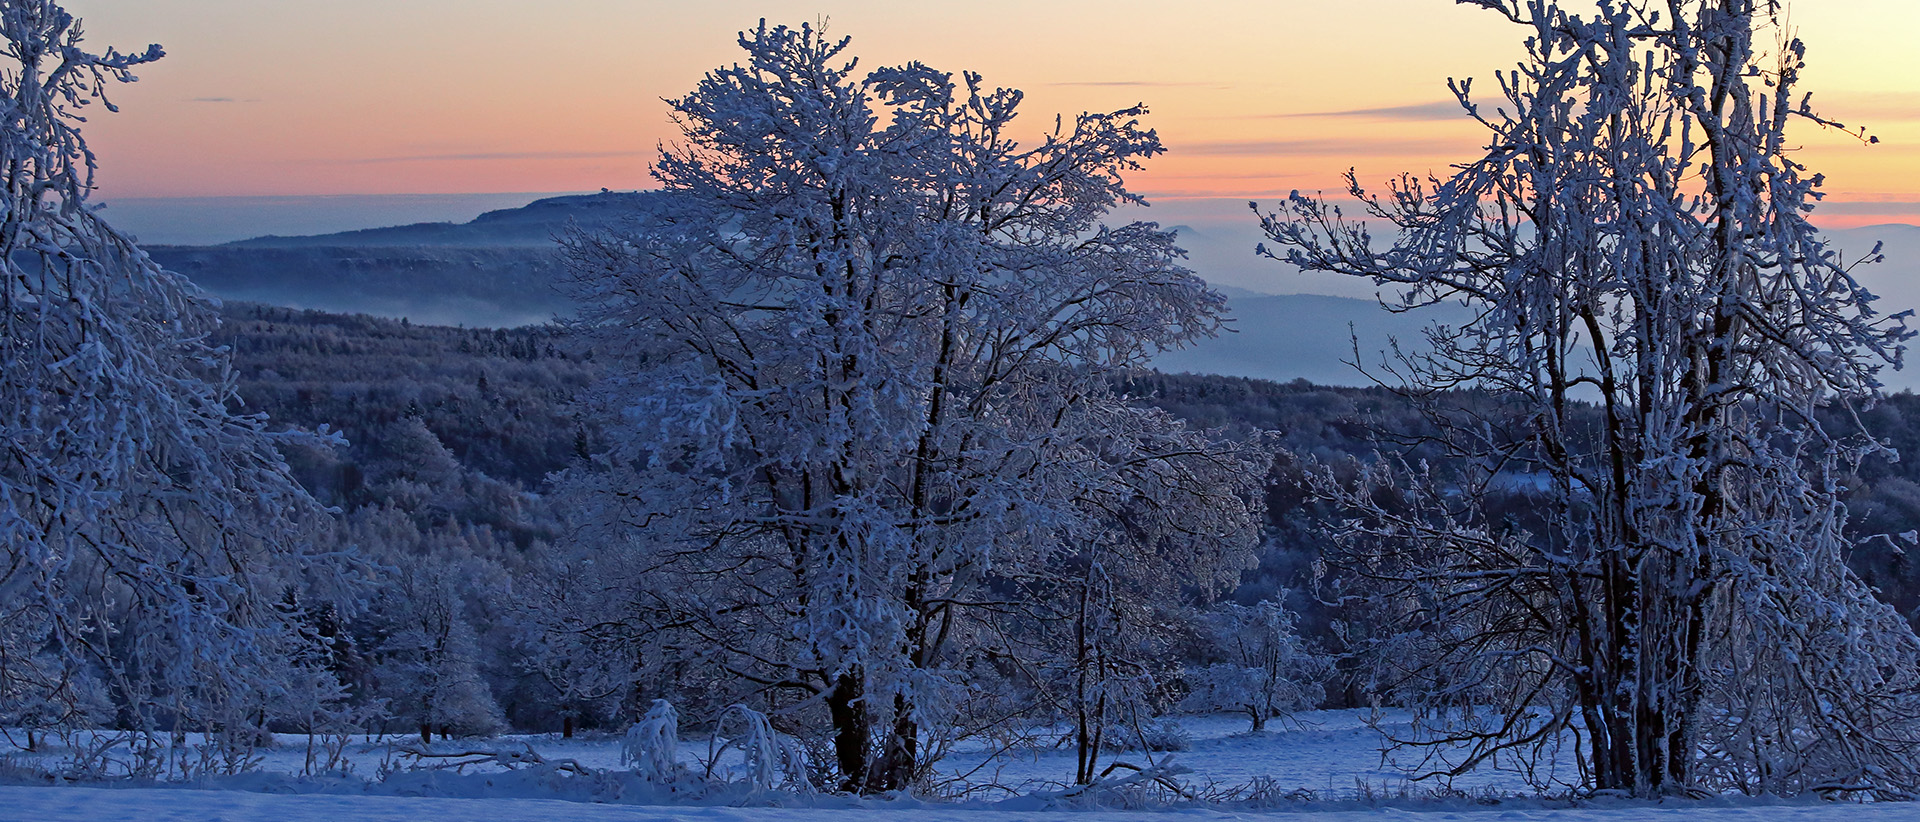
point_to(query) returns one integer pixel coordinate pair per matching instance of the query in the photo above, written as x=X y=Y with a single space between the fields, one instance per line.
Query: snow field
x=1333 y=754
x=20 y=804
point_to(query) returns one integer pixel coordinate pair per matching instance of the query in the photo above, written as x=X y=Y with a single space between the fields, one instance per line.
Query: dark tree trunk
x=1091 y=736
x=852 y=725
x=900 y=759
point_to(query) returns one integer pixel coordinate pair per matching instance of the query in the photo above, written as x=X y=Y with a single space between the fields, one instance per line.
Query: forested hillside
x=450 y=436
x=496 y=401
x=454 y=433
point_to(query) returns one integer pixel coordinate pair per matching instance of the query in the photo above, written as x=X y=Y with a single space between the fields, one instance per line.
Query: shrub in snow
x=1258 y=665
x=769 y=760
x=45 y=691
x=652 y=746
x=1156 y=736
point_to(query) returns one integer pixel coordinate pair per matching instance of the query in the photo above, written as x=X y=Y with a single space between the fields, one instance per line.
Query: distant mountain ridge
x=491 y=286
x=500 y=269
x=536 y=224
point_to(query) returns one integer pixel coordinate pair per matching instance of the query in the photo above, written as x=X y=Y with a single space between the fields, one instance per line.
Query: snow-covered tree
x=1257 y=664
x=421 y=629
x=152 y=538
x=1097 y=619
x=1662 y=321
x=575 y=619
x=43 y=690
x=865 y=341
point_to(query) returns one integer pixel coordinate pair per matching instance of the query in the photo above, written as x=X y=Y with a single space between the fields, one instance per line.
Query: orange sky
x=1252 y=98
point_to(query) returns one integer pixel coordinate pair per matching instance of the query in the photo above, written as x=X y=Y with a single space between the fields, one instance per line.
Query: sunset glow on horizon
x=1252 y=99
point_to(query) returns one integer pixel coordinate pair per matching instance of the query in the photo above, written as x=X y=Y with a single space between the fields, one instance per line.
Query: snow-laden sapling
x=769 y=759
x=1257 y=664
x=652 y=746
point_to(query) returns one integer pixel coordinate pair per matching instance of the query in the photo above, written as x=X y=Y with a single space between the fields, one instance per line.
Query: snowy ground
x=1333 y=754
x=163 y=805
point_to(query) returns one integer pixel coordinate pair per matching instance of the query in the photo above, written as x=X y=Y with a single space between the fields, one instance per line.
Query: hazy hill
x=1306 y=336
x=534 y=225
x=499 y=270
x=440 y=285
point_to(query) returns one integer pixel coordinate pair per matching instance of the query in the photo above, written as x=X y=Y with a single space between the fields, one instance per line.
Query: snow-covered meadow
x=180 y=805
x=1329 y=754
x=1320 y=765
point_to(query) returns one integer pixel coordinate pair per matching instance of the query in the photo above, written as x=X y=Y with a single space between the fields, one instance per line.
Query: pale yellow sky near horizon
x=271 y=97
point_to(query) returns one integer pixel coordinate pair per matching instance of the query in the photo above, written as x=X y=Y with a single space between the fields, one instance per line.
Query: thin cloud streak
x=1238 y=196
x=1137 y=84
x=502 y=155
x=1831 y=206
x=1869 y=107
x=1160 y=178
x=1414 y=113
x=1322 y=147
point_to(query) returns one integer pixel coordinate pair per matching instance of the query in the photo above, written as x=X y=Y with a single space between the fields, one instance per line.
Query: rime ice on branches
x=1661 y=321
x=157 y=564
x=863 y=412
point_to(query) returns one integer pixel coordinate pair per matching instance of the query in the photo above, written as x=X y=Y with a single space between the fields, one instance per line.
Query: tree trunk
x=851 y=727
x=426 y=734
x=1088 y=725
x=1092 y=732
x=900 y=759
x=566 y=726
